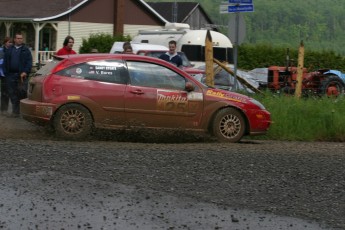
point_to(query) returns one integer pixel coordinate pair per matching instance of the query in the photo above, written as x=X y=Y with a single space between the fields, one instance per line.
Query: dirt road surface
x=104 y=183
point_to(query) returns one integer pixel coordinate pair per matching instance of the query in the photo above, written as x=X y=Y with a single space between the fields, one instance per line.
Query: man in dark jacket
x=17 y=67
x=172 y=55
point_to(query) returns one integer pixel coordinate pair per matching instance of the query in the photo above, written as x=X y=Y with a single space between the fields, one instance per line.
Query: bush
x=101 y=41
x=255 y=56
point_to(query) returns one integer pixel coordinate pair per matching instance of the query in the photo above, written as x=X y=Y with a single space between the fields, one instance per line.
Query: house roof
x=184 y=10
x=39 y=10
x=36 y=9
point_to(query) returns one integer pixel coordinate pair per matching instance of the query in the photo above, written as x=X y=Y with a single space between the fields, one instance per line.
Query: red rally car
x=86 y=91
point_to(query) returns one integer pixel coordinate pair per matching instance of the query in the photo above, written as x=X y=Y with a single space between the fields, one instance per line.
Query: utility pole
x=174 y=12
x=236 y=6
x=236 y=49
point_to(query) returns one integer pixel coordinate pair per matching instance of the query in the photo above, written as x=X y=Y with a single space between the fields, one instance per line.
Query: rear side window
x=113 y=71
x=47 y=68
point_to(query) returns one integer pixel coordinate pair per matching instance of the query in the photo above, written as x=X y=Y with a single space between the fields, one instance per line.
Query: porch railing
x=45 y=56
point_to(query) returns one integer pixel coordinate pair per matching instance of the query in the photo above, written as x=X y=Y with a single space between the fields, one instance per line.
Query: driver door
x=156 y=97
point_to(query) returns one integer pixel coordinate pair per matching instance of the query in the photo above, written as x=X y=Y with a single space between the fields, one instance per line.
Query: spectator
x=127 y=48
x=4 y=92
x=45 y=47
x=172 y=56
x=67 y=48
x=17 y=66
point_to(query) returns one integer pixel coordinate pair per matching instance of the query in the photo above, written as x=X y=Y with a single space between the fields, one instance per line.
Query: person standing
x=172 y=56
x=17 y=67
x=67 y=48
x=4 y=92
x=127 y=49
x=45 y=47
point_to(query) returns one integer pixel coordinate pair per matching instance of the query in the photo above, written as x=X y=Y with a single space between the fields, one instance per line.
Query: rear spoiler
x=59 y=58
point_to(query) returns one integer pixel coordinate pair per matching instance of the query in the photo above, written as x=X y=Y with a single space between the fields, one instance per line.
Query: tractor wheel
x=332 y=86
x=73 y=122
x=229 y=125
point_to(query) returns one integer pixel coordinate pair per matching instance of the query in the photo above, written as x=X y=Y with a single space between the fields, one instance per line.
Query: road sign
x=233 y=9
x=237 y=35
x=241 y=1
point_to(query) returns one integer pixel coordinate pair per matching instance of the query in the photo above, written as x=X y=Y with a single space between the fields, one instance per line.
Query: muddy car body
x=118 y=91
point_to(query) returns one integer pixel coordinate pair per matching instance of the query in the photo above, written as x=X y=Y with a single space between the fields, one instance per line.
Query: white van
x=118 y=47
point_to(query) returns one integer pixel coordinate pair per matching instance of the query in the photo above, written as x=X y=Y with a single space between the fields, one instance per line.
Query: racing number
x=176 y=106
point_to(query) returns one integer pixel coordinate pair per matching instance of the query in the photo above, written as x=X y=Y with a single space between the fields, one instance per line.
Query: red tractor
x=321 y=82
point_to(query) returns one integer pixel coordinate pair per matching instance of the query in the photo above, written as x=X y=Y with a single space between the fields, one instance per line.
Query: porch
x=41 y=38
x=43 y=56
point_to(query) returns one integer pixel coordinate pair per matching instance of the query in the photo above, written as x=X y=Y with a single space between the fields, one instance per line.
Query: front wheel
x=73 y=122
x=229 y=125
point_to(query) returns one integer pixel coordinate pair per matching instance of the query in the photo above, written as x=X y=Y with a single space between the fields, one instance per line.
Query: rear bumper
x=37 y=112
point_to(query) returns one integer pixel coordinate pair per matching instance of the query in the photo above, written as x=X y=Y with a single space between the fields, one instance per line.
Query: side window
x=156 y=76
x=113 y=71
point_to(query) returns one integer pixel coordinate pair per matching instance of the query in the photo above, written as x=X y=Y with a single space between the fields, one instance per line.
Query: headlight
x=261 y=106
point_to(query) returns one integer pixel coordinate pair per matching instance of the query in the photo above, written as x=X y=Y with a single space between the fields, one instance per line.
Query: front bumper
x=259 y=121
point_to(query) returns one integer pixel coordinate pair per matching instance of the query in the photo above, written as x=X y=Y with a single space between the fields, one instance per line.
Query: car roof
x=77 y=58
x=80 y=58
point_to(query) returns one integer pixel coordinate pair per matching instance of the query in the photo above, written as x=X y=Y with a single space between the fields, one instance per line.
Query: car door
x=156 y=97
x=99 y=85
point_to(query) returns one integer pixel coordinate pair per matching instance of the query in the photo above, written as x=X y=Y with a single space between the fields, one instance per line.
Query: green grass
x=305 y=119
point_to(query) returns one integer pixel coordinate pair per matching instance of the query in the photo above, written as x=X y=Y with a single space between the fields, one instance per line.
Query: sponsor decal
x=104 y=70
x=44 y=110
x=172 y=101
x=195 y=96
x=73 y=97
x=222 y=95
x=105 y=67
x=78 y=70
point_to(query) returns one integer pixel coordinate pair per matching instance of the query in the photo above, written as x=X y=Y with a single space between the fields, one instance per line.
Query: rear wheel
x=73 y=122
x=332 y=86
x=229 y=125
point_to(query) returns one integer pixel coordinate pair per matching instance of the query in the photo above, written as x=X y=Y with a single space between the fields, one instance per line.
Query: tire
x=332 y=86
x=229 y=125
x=72 y=122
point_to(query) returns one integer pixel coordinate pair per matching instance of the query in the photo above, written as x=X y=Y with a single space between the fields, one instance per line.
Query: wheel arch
x=212 y=118
x=69 y=103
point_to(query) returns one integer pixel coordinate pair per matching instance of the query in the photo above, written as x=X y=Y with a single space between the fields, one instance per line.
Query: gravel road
x=291 y=179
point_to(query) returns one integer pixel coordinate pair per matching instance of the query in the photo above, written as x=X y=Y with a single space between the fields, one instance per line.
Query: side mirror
x=189 y=87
